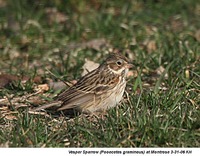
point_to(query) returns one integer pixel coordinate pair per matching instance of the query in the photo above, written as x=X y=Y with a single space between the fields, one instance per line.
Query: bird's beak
x=129 y=65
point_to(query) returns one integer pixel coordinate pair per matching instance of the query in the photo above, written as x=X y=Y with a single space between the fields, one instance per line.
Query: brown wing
x=88 y=89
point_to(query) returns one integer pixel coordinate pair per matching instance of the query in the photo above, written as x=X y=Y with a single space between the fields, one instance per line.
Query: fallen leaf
x=10 y=117
x=176 y=23
x=37 y=79
x=57 y=85
x=54 y=16
x=6 y=79
x=5 y=145
x=61 y=85
x=160 y=71
x=43 y=87
x=66 y=142
x=132 y=73
x=150 y=45
x=151 y=30
x=3 y=3
x=96 y=44
x=89 y=66
x=197 y=35
x=124 y=26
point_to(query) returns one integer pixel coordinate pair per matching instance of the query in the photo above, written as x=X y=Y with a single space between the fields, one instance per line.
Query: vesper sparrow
x=99 y=89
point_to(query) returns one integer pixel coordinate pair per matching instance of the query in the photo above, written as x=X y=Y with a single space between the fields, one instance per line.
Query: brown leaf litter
x=6 y=79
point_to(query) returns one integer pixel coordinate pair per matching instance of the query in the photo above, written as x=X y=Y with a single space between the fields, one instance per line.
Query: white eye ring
x=119 y=62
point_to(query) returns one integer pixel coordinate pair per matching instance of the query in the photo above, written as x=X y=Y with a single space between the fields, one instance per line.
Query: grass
x=162 y=109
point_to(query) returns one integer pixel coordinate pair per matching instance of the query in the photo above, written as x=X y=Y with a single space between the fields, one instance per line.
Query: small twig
x=39 y=113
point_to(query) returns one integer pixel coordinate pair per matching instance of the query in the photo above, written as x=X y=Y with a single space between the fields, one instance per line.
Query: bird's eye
x=119 y=62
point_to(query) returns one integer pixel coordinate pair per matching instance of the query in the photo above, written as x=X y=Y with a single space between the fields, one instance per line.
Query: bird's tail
x=45 y=106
